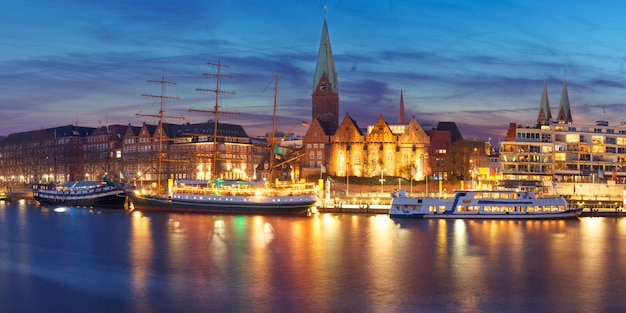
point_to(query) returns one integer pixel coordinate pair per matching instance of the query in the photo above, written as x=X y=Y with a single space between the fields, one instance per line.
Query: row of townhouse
x=130 y=154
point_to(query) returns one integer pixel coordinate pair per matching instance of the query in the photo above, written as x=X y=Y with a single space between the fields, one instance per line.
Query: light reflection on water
x=111 y=260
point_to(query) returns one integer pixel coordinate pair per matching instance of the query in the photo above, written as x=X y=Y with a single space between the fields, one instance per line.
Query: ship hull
x=108 y=196
x=226 y=205
x=114 y=198
x=574 y=213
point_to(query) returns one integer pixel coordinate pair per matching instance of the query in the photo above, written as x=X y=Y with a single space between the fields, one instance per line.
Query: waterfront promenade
x=376 y=199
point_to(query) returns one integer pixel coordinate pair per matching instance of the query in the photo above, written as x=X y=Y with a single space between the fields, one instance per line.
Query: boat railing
x=252 y=191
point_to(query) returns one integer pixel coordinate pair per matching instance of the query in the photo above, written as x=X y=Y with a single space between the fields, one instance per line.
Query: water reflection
x=148 y=262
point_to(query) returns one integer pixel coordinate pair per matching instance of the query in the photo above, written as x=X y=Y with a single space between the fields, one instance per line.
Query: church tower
x=325 y=93
x=401 y=116
x=565 y=113
x=545 y=116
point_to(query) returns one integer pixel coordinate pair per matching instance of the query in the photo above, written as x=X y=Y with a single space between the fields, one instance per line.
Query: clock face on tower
x=323 y=86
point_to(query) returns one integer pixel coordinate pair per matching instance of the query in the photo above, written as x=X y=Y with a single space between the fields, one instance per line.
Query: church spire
x=565 y=113
x=325 y=62
x=325 y=93
x=545 y=116
x=401 y=117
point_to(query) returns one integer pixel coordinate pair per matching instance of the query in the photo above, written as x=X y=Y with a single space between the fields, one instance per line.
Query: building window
x=341 y=160
x=319 y=155
x=312 y=155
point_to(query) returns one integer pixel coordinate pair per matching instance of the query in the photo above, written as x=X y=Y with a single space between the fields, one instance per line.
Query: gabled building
x=103 y=152
x=348 y=150
x=343 y=149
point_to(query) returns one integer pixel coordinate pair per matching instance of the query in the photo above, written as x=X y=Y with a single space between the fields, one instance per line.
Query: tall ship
x=81 y=193
x=233 y=197
x=226 y=196
x=483 y=204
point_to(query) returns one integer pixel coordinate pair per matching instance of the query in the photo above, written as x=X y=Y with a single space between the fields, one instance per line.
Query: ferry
x=228 y=197
x=81 y=193
x=483 y=204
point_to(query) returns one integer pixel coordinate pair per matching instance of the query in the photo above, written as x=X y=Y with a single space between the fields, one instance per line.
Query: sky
x=481 y=64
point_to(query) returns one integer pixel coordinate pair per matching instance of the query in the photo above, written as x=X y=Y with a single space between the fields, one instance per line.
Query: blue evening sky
x=478 y=63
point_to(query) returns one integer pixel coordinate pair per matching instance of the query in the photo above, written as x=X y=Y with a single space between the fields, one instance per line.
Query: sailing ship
x=81 y=193
x=232 y=197
x=483 y=204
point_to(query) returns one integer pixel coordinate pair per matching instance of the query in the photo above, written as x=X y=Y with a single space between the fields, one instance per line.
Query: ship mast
x=215 y=112
x=161 y=116
x=273 y=138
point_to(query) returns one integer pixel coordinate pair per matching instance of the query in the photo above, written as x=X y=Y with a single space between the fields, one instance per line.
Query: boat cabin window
x=442 y=208
x=486 y=195
x=496 y=195
x=487 y=208
x=431 y=208
x=478 y=195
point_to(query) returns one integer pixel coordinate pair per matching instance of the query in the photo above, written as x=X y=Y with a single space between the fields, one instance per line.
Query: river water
x=103 y=260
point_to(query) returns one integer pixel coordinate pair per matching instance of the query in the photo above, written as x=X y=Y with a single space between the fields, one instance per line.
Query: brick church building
x=343 y=148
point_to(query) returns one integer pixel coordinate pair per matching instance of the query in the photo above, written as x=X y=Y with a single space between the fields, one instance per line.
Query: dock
x=354 y=209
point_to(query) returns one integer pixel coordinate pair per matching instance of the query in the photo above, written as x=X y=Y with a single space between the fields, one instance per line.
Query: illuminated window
x=598 y=149
x=572 y=138
x=597 y=139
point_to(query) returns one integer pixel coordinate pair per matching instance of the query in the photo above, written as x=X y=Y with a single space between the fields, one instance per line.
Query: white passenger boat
x=491 y=204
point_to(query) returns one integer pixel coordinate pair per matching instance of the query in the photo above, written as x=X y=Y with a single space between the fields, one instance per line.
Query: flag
x=305 y=124
x=323 y=168
x=600 y=173
x=614 y=174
